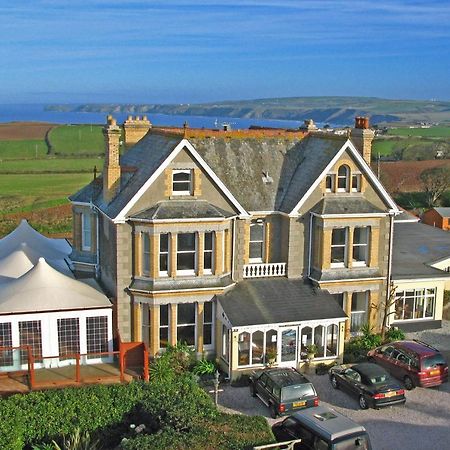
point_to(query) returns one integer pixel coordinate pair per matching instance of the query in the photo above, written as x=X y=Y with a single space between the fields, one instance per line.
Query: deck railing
x=264 y=270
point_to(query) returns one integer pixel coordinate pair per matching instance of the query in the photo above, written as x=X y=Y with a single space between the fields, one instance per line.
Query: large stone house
x=244 y=244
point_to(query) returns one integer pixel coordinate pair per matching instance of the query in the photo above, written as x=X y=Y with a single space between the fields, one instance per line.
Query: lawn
x=440 y=131
x=77 y=139
x=51 y=165
x=31 y=148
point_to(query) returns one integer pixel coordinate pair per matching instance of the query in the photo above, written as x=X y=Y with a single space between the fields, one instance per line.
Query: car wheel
x=253 y=389
x=334 y=382
x=273 y=412
x=363 y=402
x=408 y=383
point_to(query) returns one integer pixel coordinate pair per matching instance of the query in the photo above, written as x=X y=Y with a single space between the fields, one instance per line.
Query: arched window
x=332 y=339
x=271 y=344
x=319 y=332
x=244 y=349
x=257 y=347
x=306 y=339
x=343 y=177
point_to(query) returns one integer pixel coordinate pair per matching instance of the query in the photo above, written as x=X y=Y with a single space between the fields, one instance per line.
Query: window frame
x=86 y=231
x=188 y=324
x=261 y=223
x=332 y=178
x=365 y=245
x=165 y=327
x=192 y=271
x=422 y=295
x=164 y=273
x=356 y=176
x=346 y=177
x=344 y=245
x=145 y=254
x=208 y=323
x=211 y=252
x=175 y=182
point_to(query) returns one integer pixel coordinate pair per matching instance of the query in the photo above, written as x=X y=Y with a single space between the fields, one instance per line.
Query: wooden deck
x=103 y=373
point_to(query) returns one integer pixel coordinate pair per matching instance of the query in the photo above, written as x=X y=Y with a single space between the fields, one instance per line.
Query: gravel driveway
x=422 y=423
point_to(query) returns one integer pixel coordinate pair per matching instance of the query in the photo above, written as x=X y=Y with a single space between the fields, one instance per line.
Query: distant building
x=437 y=217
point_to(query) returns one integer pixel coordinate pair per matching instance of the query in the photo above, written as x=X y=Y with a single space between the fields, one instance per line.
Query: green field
x=77 y=139
x=22 y=149
x=51 y=165
x=422 y=132
x=21 y=191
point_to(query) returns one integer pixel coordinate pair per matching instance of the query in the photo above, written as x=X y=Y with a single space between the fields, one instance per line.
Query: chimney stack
x=308 y=125
x=135 y=129
x=362 y=137
x=111 y=170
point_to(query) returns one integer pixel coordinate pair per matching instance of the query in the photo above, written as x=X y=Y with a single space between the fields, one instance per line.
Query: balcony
x=264 y=270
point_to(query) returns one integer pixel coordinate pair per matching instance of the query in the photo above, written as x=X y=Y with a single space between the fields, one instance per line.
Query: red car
x=413 y=362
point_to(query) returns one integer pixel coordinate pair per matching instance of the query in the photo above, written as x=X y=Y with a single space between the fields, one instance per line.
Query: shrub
x=204 y=367
x=395 y=334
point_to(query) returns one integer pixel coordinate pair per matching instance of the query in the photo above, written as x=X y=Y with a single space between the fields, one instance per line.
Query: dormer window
x=343 y=178
x=182 y=182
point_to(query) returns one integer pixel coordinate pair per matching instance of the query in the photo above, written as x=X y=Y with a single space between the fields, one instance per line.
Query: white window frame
x=347 y=178
x=212 y=323
x=86 y=232
x=427 y=297
x=174 y=182
x=164 y=273
x=195 y=324
x=210 y=270
x=359 y=311
x=145 y=254
x=366 y=245
x=261 y=223
x=195 y=252
x=344 y=245
x=165 y=327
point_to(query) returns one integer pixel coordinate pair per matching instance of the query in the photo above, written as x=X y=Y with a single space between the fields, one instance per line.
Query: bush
x=395 y=334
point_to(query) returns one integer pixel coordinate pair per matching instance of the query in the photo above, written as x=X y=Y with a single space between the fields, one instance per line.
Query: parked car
x=370 y=383
x=322 y=428
x=283 y=390
x=414 y=362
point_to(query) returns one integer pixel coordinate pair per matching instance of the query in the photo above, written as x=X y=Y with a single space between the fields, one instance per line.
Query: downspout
x=97 y=265
x=310 y=243
x=233 y=249
x=389 y=268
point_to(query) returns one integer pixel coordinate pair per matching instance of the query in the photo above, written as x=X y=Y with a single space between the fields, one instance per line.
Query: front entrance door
x=289 y=340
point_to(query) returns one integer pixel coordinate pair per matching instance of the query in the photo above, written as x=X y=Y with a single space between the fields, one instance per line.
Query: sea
x=38 y=113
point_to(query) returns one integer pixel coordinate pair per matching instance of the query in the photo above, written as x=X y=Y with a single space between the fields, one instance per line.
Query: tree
x=385 y=307
x=435 y=182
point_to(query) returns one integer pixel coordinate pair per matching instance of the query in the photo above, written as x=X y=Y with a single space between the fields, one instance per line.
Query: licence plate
x=435 y=372
x=299 y=404
x=390 y=394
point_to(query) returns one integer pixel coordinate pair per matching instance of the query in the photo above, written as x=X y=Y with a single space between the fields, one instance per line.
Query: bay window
x=145 y=254
x=163 y=326
x=186 y=323
x=163 y=254
x=208 y=320
x=208 y=253
x=86 y=240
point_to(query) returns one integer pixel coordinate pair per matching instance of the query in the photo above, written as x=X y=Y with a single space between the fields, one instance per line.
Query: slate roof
x=279 y=300
x=346 y=205
x=241 y=164
x=183 y=209
x=416 y=245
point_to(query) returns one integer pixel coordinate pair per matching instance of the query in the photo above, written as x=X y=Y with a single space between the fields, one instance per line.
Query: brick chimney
x=135 y=129
x=111 y=169
x=308 y=125
x=362 y=137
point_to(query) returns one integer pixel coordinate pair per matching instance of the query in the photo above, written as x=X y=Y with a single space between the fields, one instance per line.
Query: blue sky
x=186 y=51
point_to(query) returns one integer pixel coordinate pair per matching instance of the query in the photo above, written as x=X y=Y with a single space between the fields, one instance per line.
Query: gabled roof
x=277 y=300
x=415 y=246
x=45 y=289
x=254 y=174
x=443 y=212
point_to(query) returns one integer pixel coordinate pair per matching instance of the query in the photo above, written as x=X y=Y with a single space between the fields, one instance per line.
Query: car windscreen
x=433 y=361
x=360 y=442
x=295 y=392
x=379 y=378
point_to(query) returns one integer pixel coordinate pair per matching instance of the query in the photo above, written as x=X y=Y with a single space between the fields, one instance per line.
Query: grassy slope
x=75 y=139
x=439 y=131
x=51 y=165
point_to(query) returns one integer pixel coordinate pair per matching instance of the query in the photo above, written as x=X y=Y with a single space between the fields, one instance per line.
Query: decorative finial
x=185 y=126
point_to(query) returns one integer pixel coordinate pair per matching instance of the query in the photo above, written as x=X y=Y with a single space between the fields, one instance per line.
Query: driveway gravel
x=422 y=423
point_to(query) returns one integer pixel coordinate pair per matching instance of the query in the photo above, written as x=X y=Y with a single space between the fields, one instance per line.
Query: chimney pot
x=362 y=123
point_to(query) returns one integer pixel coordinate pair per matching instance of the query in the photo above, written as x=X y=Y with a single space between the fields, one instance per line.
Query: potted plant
x=311 y=350
x=271 y=356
